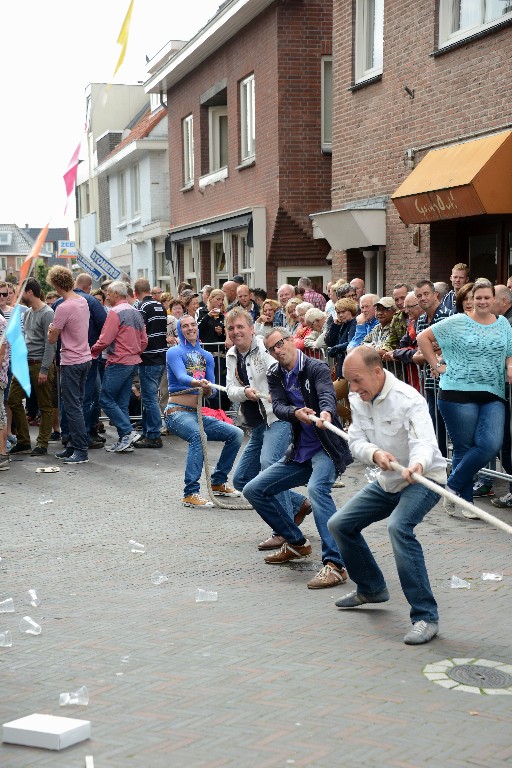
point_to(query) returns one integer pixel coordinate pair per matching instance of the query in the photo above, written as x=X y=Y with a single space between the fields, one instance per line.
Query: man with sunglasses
x=300 y=386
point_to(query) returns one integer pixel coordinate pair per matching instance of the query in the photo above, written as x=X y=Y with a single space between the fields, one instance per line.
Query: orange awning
x=466 y=179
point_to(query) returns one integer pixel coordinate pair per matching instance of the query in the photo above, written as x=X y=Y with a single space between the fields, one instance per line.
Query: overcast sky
x=50 y=52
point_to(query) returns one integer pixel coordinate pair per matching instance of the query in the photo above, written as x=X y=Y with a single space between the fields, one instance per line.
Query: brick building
x=422 y=150
x=249 y=102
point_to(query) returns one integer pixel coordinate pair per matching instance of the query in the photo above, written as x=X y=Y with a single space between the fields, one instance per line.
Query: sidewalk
x=272 y=674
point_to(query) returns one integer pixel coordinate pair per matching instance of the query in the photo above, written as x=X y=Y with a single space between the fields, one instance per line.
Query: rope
x=482 y=514
x=204 y=445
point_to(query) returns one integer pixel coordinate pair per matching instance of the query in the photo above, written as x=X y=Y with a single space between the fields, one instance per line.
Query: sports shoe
x=149 y=442
x=65 y=454
x=94 y=442
x=274 y=542
x=421 y=632
x=303 y=511
x=55 y=437
x=287 y=553
x=355 y=598
x=96 y=436
x=449 y=506
x=503 y=501
x=38 y=451
x=20 y=448
x=195 y=500
x=469 y=515
x=482 y=488
x=224 y=490
x=338 y=483
x=4 y=461
x=328 y=576
x=128 y=440
x=76 y=458
x=117 y=448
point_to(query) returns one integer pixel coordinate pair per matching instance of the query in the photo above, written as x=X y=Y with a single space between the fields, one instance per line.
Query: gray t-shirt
x=35 y=328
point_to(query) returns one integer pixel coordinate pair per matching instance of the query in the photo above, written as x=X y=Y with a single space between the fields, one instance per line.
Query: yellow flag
x=123 y=36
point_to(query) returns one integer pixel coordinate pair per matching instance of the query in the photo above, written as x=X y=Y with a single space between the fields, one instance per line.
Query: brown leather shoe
x=303 y=511
x=287 y=553
x=328 y=576
x=274 y=542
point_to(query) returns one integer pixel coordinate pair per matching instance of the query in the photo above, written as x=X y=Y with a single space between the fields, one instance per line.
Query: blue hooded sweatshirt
x=186 y=362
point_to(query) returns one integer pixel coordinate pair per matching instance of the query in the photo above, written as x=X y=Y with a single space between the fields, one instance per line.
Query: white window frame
x=189 y=265
x=326 y=86
x=3 y=263
x=121 y=196
x=135 y=188
x=188 y=150
x=19 y=262
x=218 y=277
x=366 y=41
x=247 y=271
x=449 y=21
x=5 y=238
x=247 y=119
x=215 y=114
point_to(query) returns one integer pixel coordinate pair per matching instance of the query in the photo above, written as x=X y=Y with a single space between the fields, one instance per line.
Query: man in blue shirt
x=300 y=386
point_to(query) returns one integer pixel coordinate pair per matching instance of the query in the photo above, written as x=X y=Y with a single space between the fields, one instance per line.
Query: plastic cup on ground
x=157 y=577
x=137 y=547
x=5 y=639
x=31 y=598
x=7 y=606
x=205 y=596
x=29 y=626
x=79 y=698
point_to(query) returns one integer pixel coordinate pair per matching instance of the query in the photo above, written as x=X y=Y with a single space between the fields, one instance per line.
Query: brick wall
x=290 y=171
x=463 y=91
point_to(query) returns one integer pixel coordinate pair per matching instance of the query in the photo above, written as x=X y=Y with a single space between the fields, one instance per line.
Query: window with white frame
x=219 y=266
x=135 y=189
x=462 y=18
x=247 y=118
x=19 y=261
x=188 y=150
x=121 y=196
x=3 y=263
x=327 y=103
x=190 y=266
x=218 y=126
x=246 y=260
x=369 y=39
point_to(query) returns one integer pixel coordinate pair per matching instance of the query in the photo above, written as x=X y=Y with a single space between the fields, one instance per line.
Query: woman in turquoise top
x=476 y=357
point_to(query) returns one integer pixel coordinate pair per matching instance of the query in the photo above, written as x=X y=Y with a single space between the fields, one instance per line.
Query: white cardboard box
x=46 y=731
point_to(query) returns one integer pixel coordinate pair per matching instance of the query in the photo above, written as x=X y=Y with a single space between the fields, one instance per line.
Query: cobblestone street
x=271 y=674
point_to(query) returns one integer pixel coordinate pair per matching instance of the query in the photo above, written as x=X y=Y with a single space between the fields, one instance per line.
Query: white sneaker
x=117 y=447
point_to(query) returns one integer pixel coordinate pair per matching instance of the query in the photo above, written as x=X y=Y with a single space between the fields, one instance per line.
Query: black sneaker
x=95 y=443
x=38 y=451
x=96 y=436
x=20 y=448
x=65 y=454
x=149 y=442
x=55 y=437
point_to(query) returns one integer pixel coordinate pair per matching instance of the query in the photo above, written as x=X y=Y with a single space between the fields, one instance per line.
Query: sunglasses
x=277 y=345
x=5 y=295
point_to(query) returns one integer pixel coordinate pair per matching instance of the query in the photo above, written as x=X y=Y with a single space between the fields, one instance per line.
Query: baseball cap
x=386 y=302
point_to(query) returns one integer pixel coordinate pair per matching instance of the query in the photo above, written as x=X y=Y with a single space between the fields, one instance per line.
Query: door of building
x=485 y=243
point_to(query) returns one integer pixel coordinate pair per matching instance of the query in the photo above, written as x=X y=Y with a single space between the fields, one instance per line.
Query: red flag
x=70 y=175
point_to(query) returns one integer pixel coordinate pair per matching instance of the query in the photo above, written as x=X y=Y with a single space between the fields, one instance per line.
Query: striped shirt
x=155 y=320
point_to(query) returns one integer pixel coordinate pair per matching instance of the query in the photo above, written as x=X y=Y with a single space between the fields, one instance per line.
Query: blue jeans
x=92 y=390
x=72 y=383
x=437 y=421
x=319 y=473
x=115 y=395
x=184 y=424
x=405 y=510
x=150 y=377
x=477 y=434
x=266 y=446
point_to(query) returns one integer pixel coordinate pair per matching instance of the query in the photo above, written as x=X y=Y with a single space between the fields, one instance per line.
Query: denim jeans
x=405 y=510
x=477 y=434
x=184 y=424
x=92 y=390
x=72 y=384
x=318 y=474
x=150 y=377
x=437 y=420
x=115 y=395
x=266 y=446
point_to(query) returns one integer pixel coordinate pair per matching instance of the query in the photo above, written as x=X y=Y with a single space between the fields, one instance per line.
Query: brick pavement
x=269 y=675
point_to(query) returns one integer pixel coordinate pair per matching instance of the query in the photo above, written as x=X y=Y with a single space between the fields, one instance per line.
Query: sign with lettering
x=87 y=266
x=438 y=205
x=67 y=249
x=106 y=266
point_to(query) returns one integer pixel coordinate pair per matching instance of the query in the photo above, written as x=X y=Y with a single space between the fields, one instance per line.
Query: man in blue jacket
x=299 y=386
x=189 y=369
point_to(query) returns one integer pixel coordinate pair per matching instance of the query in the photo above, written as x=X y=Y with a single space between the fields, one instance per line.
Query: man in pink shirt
x=124 y=337
x=71 y=323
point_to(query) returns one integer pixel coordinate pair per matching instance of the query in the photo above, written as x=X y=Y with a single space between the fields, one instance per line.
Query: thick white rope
x=432 y=486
